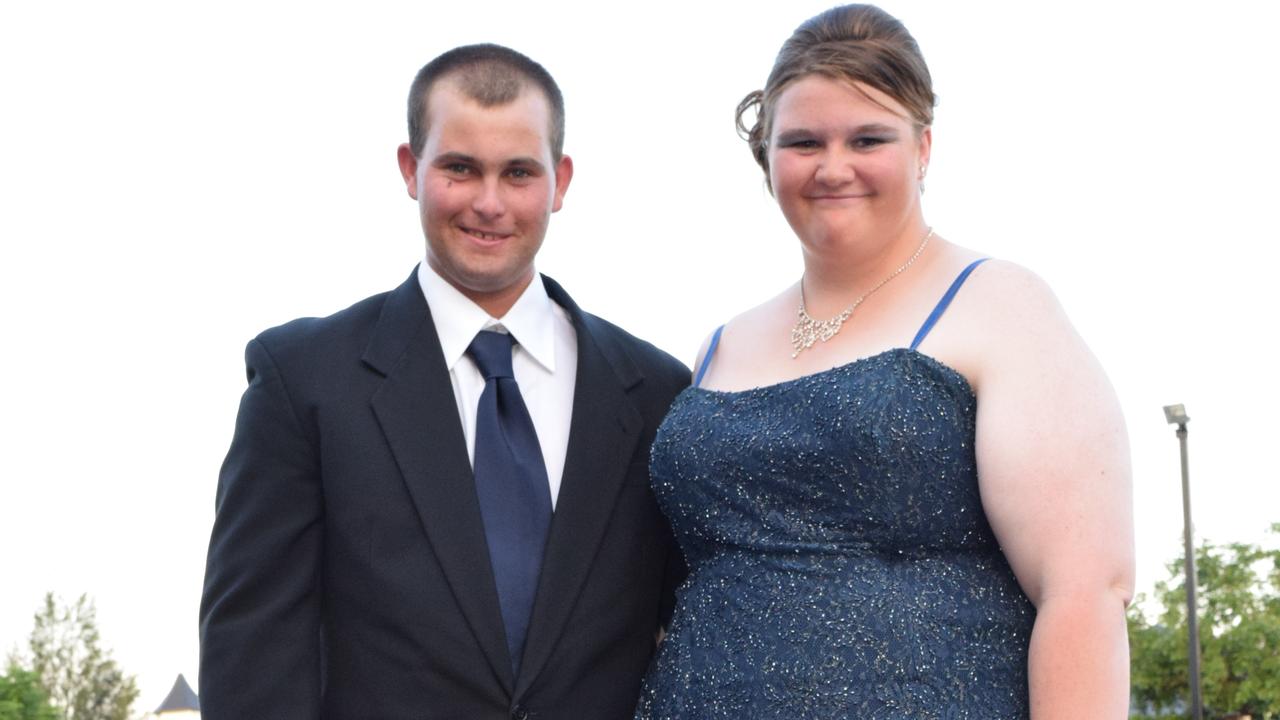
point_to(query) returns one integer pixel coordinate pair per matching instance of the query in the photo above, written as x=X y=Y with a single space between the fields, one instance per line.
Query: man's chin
x=476 y=282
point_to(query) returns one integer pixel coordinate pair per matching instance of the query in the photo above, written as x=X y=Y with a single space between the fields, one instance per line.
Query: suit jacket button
x=519 y=712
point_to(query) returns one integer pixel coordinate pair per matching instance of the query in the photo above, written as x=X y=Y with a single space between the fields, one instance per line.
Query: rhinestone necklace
x=808 y=331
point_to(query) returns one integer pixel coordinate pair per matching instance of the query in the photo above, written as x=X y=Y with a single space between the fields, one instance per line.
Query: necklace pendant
x=808 y=331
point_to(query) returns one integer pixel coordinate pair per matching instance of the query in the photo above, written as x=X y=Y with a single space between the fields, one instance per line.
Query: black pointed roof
x=181 y=697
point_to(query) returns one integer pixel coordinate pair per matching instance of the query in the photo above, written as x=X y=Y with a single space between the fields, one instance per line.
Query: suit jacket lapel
x=415 y=407
x=603 y=434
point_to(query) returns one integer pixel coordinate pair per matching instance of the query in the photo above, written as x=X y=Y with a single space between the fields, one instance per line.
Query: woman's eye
x=867 y=142
x=804 y=144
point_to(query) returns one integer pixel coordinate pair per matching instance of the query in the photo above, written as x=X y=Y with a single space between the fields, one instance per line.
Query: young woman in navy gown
x=902 y=486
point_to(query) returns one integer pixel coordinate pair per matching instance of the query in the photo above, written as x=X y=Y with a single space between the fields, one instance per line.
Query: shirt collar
x=458 y=319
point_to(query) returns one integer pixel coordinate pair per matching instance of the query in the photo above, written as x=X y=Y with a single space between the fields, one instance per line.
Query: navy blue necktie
x=511 y=483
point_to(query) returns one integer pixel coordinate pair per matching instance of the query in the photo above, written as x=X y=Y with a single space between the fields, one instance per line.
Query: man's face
x=486 y=186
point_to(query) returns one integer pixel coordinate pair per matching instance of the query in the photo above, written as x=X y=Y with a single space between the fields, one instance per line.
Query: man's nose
x=488 y=201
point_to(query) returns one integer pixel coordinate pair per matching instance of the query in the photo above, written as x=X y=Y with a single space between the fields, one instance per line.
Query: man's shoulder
x=651 y=361
x=315 y=330
x=641 y=350
x=620 y=346
x=344 y=334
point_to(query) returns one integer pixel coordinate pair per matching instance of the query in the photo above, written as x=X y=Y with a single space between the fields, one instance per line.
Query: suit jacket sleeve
x=260 y=642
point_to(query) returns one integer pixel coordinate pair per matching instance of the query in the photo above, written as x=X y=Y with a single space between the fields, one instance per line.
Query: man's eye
x=457 y=168
x=520 y=173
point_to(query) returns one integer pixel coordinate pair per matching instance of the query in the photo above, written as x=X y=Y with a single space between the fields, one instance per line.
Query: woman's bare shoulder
x=1008 y=296
x=751 y=328
x=1010 y=280
x=1003 y=314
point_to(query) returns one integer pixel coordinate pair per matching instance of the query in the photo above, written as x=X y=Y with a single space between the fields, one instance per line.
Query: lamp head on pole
x=1176 y=414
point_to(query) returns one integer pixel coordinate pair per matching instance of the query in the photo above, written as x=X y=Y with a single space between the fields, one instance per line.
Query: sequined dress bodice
x=841 y=565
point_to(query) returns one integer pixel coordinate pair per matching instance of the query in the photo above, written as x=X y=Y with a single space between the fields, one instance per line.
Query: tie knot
x=491 y=352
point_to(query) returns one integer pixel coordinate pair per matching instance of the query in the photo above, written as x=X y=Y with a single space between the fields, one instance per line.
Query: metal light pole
x=1177 y=415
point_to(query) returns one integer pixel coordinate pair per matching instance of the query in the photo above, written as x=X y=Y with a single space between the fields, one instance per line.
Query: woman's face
x=845 y=162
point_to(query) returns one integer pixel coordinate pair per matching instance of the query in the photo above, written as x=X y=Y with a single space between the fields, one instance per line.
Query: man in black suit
x=386 y=545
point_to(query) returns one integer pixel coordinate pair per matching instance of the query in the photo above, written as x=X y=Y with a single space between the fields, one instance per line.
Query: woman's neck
x=834 y=279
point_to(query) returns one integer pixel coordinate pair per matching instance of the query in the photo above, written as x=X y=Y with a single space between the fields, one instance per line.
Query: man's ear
x=564 y=173
x=408 y=168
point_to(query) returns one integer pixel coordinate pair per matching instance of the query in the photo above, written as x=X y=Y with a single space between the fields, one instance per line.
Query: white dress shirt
x=544 y=361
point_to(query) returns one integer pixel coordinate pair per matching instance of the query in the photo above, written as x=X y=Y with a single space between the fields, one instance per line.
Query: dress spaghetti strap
x=706 y=359
x=941 y=307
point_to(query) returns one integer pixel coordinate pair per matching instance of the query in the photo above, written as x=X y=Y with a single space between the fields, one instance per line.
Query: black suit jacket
x=348 y=575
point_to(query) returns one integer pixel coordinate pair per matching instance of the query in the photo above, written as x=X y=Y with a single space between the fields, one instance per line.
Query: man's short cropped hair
x=491 y=75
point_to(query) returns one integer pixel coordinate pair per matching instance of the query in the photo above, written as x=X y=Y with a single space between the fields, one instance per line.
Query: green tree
x=1238 y=606
x=22 y=698
x=82 y=680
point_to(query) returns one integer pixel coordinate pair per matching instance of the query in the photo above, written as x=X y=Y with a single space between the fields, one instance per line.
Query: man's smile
x=490 y=237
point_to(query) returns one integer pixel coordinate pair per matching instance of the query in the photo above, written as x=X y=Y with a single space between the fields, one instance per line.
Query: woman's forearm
x=1079 y=657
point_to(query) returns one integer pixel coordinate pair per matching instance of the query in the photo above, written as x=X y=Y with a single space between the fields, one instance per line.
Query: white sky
x=178 y=176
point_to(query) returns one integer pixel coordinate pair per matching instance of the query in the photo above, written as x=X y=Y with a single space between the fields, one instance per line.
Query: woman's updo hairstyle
x=850 y=43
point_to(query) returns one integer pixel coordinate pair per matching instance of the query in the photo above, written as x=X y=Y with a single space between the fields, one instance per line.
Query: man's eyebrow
x=526 y=161
x=448 y=158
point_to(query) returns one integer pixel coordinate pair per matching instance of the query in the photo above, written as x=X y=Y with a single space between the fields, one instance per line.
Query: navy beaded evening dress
x=840 y=563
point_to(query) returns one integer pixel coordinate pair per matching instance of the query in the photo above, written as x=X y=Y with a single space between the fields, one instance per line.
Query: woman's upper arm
x=1052 y=451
